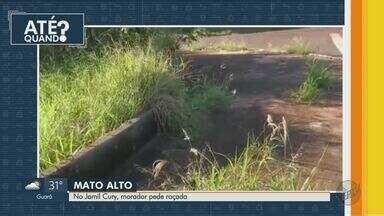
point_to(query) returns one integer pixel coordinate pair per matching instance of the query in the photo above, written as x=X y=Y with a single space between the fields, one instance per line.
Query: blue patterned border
x=18 y=97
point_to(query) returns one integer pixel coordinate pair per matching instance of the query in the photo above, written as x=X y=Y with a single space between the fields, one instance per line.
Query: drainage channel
x=107 y=153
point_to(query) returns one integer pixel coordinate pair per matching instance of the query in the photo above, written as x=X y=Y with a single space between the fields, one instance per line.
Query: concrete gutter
x=101 y=157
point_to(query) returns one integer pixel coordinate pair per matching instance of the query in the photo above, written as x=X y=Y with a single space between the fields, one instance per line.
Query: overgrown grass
x=317 y=78
x=228 y=46
x=209 y=96
x=298 y=46
x=255 y=168
x=87 y=92
x=88 y=95
x=203 y=97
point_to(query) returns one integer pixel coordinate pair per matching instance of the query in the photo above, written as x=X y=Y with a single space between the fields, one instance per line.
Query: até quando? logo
x=46 y=30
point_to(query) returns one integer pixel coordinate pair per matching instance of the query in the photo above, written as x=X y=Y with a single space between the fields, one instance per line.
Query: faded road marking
x=338 y=41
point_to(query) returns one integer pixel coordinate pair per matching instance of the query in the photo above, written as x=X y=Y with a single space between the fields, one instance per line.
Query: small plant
x=229 y=46
x=165 y=40
x=210 y=96
x=279 y=132
x=298 y=46
x=317 y=78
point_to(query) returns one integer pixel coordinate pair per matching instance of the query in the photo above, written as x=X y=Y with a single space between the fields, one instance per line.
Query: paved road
x=318 y=39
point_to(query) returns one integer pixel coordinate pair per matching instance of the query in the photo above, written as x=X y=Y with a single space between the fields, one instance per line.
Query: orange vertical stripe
x=356 y=99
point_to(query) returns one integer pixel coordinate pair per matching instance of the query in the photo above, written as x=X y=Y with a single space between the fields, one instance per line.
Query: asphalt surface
x=318 y=39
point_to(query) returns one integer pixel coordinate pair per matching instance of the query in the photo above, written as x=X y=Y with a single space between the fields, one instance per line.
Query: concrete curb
x=101 y=157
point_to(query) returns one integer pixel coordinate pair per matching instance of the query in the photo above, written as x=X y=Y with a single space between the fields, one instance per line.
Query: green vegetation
x=247 y=168
x=228 y=46
x=210 y=96
x=298 y=46
x=255 y=168
x=204 y=96
x=87 y=92
x=87 y=96
x=317 y=78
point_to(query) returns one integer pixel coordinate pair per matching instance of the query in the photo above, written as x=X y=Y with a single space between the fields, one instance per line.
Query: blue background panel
x=18 y=97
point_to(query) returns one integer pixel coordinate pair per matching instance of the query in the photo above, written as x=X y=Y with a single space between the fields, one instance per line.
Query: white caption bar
x=198 y=196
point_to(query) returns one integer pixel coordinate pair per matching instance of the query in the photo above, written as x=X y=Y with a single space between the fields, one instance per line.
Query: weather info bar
x=112 y=190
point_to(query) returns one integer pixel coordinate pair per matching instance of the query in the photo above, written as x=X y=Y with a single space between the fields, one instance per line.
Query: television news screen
x=182 y=108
